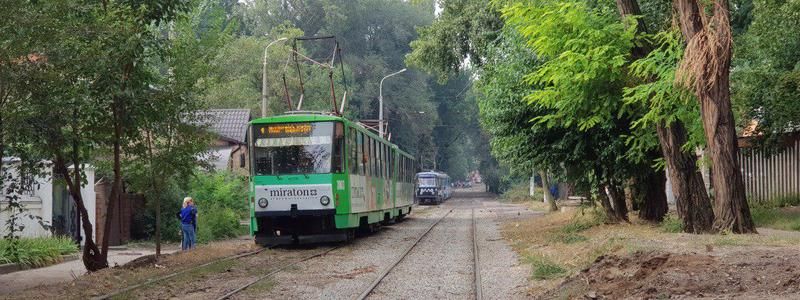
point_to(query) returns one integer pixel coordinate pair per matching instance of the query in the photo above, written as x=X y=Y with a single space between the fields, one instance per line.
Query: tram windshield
x=296 y=148
x=426 y=181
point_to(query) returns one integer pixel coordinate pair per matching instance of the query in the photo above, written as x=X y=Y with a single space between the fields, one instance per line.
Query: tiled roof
x=228 y=123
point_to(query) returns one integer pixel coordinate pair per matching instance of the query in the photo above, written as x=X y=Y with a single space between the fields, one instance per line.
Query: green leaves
x=584 y=50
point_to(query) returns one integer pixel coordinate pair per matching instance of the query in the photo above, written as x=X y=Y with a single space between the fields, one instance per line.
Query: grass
x=779 y=213
x=544 y=268
x=260 y=288
x=520 y=194
x=671 y=224
x=36 y=252
x=560 y=244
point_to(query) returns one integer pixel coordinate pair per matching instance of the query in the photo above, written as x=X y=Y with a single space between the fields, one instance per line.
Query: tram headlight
x=262 y=202
x=324 y=200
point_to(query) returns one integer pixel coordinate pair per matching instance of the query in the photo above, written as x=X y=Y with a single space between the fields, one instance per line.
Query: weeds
x=671 y=224
x=543 y=268
x=778 y=213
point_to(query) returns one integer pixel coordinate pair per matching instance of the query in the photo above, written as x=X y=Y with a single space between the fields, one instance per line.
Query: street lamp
x=264 y=78
x=380 y=101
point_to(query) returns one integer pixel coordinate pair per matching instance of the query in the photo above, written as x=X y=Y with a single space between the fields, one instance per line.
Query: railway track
x=173 y=274
x=275 y=271
x=476 y=259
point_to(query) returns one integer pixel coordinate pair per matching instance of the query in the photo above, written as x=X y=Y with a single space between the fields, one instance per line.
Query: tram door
x=65 y=220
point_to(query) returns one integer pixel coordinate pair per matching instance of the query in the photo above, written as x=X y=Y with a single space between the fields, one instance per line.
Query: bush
x=36 y=252
x=217 y=223
x=220 y=190
x=221 y=200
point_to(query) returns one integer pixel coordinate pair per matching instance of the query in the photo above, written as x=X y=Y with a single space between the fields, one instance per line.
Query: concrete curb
x=14 y=267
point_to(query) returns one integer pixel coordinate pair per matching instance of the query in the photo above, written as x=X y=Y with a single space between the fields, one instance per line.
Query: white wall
x=41 y=204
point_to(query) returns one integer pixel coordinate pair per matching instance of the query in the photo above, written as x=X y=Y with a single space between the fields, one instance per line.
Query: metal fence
x=770 y=176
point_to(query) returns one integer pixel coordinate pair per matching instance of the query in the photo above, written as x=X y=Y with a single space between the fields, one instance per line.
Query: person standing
x=188 y=216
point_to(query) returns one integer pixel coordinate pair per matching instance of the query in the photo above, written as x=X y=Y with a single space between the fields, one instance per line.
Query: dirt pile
x=662 y=275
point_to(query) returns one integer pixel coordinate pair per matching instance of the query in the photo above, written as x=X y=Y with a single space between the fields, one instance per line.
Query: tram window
x=352 y=161
x=338 y=148
x=371 y=149
x=374 y=158
x=382 y=159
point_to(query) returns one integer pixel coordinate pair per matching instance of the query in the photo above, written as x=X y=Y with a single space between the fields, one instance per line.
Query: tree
x=666 y=110
x=172 y=138
x=706 y=69
x=765 y=78
x=103 y=81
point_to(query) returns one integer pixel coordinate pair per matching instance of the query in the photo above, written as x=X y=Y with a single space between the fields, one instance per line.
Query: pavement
x=66 y=271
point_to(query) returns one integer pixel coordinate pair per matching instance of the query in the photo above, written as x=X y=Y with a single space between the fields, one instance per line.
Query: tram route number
x=286 y=130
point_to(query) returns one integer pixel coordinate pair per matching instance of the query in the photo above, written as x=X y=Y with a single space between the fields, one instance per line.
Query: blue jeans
x=188 y=236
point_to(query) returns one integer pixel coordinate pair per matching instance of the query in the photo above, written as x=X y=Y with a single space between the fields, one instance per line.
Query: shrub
x=36 y=252
x=220 y=189
x=214 y=223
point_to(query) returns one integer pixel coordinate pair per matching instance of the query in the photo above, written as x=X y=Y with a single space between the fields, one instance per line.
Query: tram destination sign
x=286 y=130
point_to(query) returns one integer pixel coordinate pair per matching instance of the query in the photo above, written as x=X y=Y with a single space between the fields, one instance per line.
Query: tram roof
x=319 y=117
x=433 y=173
x=296 y=118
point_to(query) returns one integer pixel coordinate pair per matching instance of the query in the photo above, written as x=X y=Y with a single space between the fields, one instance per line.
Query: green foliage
x=464 y=30
x=765 y=76
x=584 y=51
x=219 y=190
x=221 y=200
x=661 y=99
x=215 y=223
x=777 y=218
x=671 y=224
x=543 y=268
x=35 y=252
x=584 y=221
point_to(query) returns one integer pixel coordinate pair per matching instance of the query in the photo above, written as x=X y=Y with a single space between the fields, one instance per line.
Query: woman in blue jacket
x=188 y=216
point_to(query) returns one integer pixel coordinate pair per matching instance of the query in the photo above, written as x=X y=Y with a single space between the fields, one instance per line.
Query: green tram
x=318 y=177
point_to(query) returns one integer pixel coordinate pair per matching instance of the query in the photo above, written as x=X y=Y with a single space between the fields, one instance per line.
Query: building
x=229 y=149
x=47 y=202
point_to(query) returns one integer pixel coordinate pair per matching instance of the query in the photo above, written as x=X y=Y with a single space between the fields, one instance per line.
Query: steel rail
x=476 y=255
x=170 y=275
x=275 y=271
x=400 y=258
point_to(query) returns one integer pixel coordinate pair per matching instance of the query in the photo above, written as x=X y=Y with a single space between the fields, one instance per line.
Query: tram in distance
x=318 y=177
x=432 y=187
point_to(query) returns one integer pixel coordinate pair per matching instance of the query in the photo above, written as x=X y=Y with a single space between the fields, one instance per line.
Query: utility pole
x=264 y=78
x=380 y=101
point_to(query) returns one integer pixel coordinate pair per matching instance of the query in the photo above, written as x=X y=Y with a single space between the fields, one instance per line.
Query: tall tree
x=664 y=104
x=706 y=68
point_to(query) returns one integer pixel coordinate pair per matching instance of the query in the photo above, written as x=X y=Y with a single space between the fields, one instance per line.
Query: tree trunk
x=707 y=63
x=691 y=199
x=617 y=195
x=116 y=186
x=654 y=207
x=548 y=198
x=156 y=193
x=611 y=216
x=93 y=259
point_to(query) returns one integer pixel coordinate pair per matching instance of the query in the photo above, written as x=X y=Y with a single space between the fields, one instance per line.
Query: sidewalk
x=67 y=271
